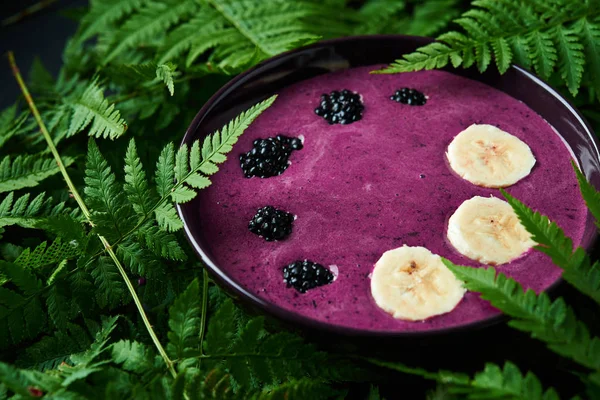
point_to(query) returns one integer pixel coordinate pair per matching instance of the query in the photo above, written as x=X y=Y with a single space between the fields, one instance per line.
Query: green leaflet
x=493 y=382
x=28 y=213
x=579 y=270
x=539 y=35
x=178 y=174
x=554 y=323
x=27 y=171
x=184 y=322
x=92 y=111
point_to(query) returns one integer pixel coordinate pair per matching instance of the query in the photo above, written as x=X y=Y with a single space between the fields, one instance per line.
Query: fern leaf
x=22 y=278
x=589 y=193
x=103 y=13
x=298 y=389
x=198 y=33
x=430 y=17
x=51 y=351
x=589 y=29
x=543 y=54
x=134 y=356
x=166 y=72
x=43 y=255
x=10 y=123
x=221 y=329
x=136 y=184
x=184 y=322
x=137 y=260
x=111 y=213
x=552 y=322
x=27 y=171
x=92 y=110
x=155 y=18
x=21 y=381
x=60 y=308
x=214 y=149
x=570 y=57
x=578 y=269
x=161 y=243
x=493 y=382
x=533 y=33
x=23 y=212
x=271 y=30
x=21 y=318
x=165 y=171
x=109 y=283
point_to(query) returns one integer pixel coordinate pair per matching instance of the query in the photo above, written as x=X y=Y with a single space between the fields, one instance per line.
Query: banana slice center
x=490 y=157
x=411 y=283
x=486 y=229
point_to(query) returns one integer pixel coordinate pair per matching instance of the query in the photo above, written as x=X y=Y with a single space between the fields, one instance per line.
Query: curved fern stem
x=85 y=210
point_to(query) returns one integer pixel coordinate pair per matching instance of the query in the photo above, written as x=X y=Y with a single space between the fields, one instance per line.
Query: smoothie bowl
x=333 y=206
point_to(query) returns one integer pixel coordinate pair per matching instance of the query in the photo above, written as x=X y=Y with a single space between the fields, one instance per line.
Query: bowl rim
x=238 y=292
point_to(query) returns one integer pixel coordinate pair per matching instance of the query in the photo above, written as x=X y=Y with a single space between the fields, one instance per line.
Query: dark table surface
x=43 y=35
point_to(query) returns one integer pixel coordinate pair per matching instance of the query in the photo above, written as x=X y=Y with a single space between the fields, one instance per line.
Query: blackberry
x=412 y=97
x=305 y=275
x=271 y=223
x=343 y=107
x=269 y=157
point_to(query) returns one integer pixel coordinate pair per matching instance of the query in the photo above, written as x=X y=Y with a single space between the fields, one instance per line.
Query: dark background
x=43 y=34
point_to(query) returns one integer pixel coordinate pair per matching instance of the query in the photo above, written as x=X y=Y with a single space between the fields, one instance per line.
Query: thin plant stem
x=203 y=310
x=85 y=210
x=39 y=6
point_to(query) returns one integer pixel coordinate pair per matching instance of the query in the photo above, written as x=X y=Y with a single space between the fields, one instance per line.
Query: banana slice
x=412 y=283
x=486 y=229
x=490 y=157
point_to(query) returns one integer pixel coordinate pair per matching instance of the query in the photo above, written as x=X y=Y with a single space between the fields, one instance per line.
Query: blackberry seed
x=304 y=275
x=269 y=157
x=271 y=223
x=409 y=96
x=342 y=107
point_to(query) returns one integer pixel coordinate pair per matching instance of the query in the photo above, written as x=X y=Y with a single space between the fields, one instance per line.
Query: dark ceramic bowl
x=270 y=76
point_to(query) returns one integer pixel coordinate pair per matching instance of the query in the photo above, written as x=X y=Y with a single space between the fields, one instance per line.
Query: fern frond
x=139 y=261
x=161 y=243
x=589 y=193
x=21 y=318
x=175 y=172
x=25 y=213
x=103 y=13
x=91 y=109
x=577 y=266
x=554 y=323
x=110 y=210
x=199 y=33
x=51 y=351
x=10 y=123
x=133 y=356
x=299 y=389
x=184 y=322
x=253 y=357
x=110 y=287
x=507 y=382
x=43 y=255
x=430 y=17
x=144 y=74
x=20 y=381
x=153 y=19
x=24 y=279
x=538 y=34
x=27 y=171
x=241 y=32
x=136 y=184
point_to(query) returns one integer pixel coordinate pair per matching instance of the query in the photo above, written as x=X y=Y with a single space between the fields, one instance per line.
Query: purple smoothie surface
x=361 y=189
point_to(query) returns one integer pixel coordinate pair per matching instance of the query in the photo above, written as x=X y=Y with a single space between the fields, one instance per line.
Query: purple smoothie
x=361 y=189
